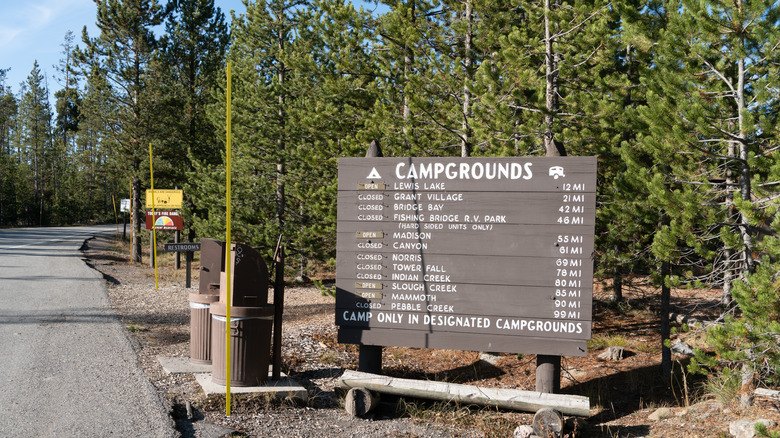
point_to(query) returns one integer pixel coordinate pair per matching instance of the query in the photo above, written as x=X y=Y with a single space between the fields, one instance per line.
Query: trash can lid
x=203 y=298
x=220 y=309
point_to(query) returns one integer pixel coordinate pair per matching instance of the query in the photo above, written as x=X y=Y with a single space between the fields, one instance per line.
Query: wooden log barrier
x=527 y=401
x=360 y=401
x=548 y=423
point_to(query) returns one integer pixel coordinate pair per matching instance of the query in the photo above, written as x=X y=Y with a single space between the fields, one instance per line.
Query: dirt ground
x=623 y=394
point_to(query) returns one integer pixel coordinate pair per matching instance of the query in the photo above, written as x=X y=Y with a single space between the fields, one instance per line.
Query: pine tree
x=265 y=88
x=710 y=119
x=123 y=53
x=8 y=109
x=192 y=56
x=68 y=205
x=94 y=144
x=302 y=89
x=405 y=41
x=548 y=65
x=35 y=138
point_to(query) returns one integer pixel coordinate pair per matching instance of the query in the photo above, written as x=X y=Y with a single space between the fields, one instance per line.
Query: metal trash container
x=250 y=345
x=251 y=321
x=200 y=329
x=212 y=262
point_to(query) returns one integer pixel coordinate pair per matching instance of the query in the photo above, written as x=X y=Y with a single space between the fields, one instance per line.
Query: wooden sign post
x=485 y=254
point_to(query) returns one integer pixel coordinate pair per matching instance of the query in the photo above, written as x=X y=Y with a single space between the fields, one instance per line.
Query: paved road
x=66 y=366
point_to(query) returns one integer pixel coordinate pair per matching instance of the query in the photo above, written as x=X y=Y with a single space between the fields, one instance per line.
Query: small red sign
x=164 y=220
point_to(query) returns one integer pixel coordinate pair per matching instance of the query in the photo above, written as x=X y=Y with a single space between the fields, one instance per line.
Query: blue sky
x=35 y=30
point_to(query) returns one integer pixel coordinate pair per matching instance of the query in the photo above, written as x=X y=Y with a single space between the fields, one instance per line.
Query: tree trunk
x=728 y=275
x=666 y=352
x=503 y=398
x=744 y=171
x=280 y=201
x=552 y=147
x=136 y=219
x=617 y=286
x=747 y=392
x=465 y=146
x=408 y=60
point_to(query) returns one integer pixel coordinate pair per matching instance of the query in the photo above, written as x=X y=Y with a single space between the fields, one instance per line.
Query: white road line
x=31 y=243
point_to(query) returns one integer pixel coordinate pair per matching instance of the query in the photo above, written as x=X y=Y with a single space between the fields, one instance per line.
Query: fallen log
x=527 y=401
x=768 y=398
x=768 y=393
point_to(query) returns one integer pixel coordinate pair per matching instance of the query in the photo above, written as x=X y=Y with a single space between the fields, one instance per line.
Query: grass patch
x=330 y=357
x=488 y=421
x=724 y=386
x=603 y=341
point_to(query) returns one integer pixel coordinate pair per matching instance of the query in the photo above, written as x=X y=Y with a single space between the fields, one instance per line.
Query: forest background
x=678 y=99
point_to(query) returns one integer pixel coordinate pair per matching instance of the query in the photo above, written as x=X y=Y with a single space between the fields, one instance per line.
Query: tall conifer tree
x=711 y=119
x=35 y=135
x=123 y=52
x=192 y=57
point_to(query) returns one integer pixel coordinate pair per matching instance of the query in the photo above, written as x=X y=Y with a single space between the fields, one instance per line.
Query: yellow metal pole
x=154 y=228
x=116 y=217
x=228 y=263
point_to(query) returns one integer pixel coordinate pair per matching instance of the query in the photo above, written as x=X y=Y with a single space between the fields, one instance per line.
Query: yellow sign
x=164 y=198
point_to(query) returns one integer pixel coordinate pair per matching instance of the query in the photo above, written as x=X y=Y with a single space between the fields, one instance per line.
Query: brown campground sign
x=488 y=254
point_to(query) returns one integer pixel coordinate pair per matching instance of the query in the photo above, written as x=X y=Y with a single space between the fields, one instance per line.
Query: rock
x=747 y=428
x=523 y=431
x=612 y=354
x=575 y=374
x=490 y=358
x=682 y=348
x=661 y=414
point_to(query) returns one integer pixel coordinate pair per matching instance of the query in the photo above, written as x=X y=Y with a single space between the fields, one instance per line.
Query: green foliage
x=325 y=290
x=763 y=432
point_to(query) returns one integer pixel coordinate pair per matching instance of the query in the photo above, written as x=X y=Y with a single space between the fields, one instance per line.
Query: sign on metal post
x=165 y=199
x=124 y=205
x=488 y=254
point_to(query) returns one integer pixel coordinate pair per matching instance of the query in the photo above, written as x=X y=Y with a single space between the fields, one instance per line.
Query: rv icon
x=556 y=172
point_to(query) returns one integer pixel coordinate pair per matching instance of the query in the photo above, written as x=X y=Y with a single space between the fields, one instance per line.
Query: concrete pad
x=284 y=387
x=178 y=365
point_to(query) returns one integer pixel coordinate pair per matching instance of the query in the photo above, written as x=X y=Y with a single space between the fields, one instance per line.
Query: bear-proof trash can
x=250 y=344
x=212 y=262
x=200 y=328
x=251 y=321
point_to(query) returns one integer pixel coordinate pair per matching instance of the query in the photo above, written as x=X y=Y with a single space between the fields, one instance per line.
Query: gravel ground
x=158 y=323
x=625 y=396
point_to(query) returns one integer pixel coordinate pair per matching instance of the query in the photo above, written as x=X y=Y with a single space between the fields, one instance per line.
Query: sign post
x=187 y=248
x=124 y=207
x=486 y=254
